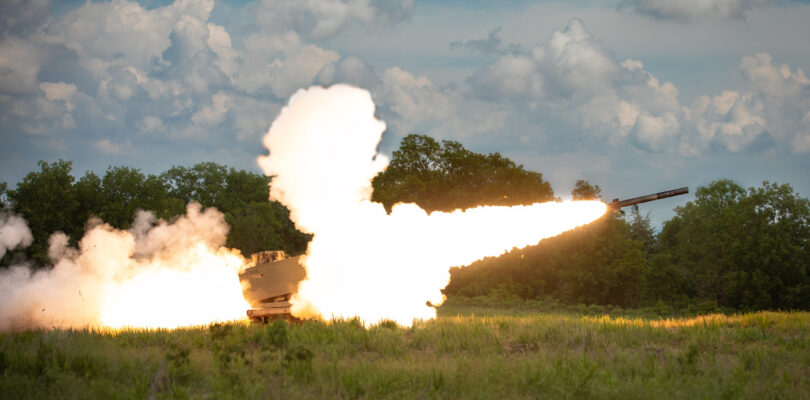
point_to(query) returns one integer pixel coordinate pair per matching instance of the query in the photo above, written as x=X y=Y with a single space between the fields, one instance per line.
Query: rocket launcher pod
x=617 y=204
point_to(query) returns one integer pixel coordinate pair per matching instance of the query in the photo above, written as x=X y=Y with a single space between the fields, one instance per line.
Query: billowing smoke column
x=156 y=274
x=361 y=261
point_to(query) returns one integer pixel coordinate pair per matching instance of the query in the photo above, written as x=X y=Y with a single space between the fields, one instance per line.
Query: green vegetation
x=446 y=176
x=459 y=355
x=53 y=200
x=744 y=249
x=731 y=247
x=736 y=249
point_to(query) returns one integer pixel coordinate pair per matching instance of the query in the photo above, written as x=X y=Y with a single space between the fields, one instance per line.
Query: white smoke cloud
x=361 y=261
x=14 y=233
x=156 y=274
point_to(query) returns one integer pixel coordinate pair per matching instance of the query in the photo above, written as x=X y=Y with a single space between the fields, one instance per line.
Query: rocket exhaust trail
x=363 y=262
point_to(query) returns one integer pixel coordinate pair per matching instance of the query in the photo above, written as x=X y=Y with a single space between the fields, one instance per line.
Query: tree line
x=730 y=247
x=51 y=200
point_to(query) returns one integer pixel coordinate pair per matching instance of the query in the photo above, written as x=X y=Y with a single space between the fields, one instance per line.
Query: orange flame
x=160 y=295
x=406 y=256
x=362 y=262
x=156 y=275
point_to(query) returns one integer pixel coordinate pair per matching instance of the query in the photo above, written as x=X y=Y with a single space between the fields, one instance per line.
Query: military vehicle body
x=270 y=283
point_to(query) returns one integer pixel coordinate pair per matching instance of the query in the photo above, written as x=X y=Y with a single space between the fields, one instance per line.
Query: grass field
x=467 y=353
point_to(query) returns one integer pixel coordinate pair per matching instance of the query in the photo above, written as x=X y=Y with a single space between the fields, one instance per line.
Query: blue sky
x=637 y=96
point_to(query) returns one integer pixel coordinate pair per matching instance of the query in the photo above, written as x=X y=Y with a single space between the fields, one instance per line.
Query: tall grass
x=459 y=355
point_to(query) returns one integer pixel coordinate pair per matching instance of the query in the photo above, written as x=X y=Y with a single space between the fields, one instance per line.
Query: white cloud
x=573 y=78
x=349 y=70
x=769 y=104
x=59 y=91
x=299 y=69
x=20 y=61
x=510 y=76
x=220 y=43
x=801 y=144
x=22 y=16
x=763 y=76
x=414 y=99
x=121 y=32
x=188 y=80
x=574 y=84
x=282 y=62
x=321 y=18
x=731 y=119
x=152 y=123
x=106 y=146
x=170 y=69
x=653 y=132
x=213 y=114
x=687 y=10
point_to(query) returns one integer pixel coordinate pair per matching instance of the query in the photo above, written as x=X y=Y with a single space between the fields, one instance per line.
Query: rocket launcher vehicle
x=273 y=279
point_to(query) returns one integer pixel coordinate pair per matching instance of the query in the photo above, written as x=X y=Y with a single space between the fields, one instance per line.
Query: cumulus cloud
x=573 y=83
x=575 y=79
x=59 y=91
x=106 y=146
x=410 y=103
x=351 y=70
x=22 y=16
x=214 y=113
x=492 y=44
x=321 y=18
x=79 y=81
x=183 y=76
x=763 y=113
x=689 y=10
x=104 y=32
x=20 y=61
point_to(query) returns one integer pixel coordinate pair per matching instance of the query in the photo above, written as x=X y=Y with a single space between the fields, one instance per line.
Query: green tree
x=594 y=264
x=51 y=201
x=742 y=249
x=446 y=176
x=155 y=197
x=256 y=223
x=264 y=226
x=243 y=188
x=90 y=196
x=599 y=263
x=3 y=195
x=585 y=191
x=121 y=189
x=640 y=229
x=204 y=183
x=48 y=203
